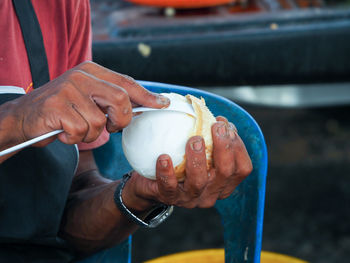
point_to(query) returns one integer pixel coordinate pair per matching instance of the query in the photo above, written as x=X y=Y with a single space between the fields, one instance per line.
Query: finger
x=196 y=167
x=229 y=154
x=243 y=163
x=223 y=153
x=225 y=193
x=211 y=192
x=243 y=167
x=75 y=127
x=211 y=176
x=119 y=113
x=112 y=99
x=137 y=93
x=232 y=127
x=166 y=179
x=221 y=118
x=90 y=112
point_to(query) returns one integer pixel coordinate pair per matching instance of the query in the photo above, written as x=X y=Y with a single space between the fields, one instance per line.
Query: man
x=54 y=205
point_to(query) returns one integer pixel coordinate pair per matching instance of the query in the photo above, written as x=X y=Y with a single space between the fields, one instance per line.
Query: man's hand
x=92 y=220
x=78 y=101
x=201 y=188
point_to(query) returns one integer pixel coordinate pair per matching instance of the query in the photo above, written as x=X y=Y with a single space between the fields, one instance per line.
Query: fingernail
x=222 y=130
x=232 y=126
x=197 y=145
x=232 y=131
x=163 y=100
x=163 y=163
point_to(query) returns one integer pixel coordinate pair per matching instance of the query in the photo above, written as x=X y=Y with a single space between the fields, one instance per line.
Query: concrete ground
x=307 y=210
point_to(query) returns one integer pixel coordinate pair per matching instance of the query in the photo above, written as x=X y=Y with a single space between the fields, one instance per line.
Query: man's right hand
x=77 y=102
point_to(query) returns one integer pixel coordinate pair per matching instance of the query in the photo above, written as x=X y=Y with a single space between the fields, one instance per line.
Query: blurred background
x=287 y=63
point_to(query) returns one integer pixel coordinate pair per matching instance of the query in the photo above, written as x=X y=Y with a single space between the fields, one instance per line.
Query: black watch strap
x=155 y=217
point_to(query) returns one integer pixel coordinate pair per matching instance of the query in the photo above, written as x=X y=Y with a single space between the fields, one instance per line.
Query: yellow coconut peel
x=204 y=120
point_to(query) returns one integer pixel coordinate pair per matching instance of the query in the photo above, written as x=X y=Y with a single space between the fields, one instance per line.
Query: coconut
x=167 y=131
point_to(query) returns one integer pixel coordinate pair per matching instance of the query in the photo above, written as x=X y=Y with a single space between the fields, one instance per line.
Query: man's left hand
x=201 y=188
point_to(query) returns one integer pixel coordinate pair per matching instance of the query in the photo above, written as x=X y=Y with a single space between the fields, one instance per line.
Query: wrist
x=133 y=200
x=152 y=218
x=10 y=132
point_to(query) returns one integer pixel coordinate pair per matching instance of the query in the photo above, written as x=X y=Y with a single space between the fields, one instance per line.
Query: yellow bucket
x=218 y=256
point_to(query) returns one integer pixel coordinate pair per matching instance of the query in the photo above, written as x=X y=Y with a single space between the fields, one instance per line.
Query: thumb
x=142 y=97
x=138 y=95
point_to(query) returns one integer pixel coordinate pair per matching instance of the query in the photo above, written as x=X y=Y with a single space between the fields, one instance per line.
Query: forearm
x=92 y=220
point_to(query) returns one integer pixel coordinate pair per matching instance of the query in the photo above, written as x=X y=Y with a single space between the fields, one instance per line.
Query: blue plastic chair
x=241 y=213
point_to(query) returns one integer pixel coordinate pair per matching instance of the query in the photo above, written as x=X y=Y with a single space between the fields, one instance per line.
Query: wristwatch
x=154 y=218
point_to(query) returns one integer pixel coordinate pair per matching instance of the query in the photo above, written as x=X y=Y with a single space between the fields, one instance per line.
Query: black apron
x=34 y=184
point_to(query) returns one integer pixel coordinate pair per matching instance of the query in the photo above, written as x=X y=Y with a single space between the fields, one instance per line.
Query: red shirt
x=66 y=30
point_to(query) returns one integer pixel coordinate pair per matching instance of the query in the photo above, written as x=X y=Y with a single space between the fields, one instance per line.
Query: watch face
x=159 y=215
x=155 y=212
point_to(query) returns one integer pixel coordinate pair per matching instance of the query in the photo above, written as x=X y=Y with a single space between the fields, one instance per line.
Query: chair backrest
x=241 y=213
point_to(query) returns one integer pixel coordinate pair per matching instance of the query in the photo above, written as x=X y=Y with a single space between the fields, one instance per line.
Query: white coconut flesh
x=167 y=131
